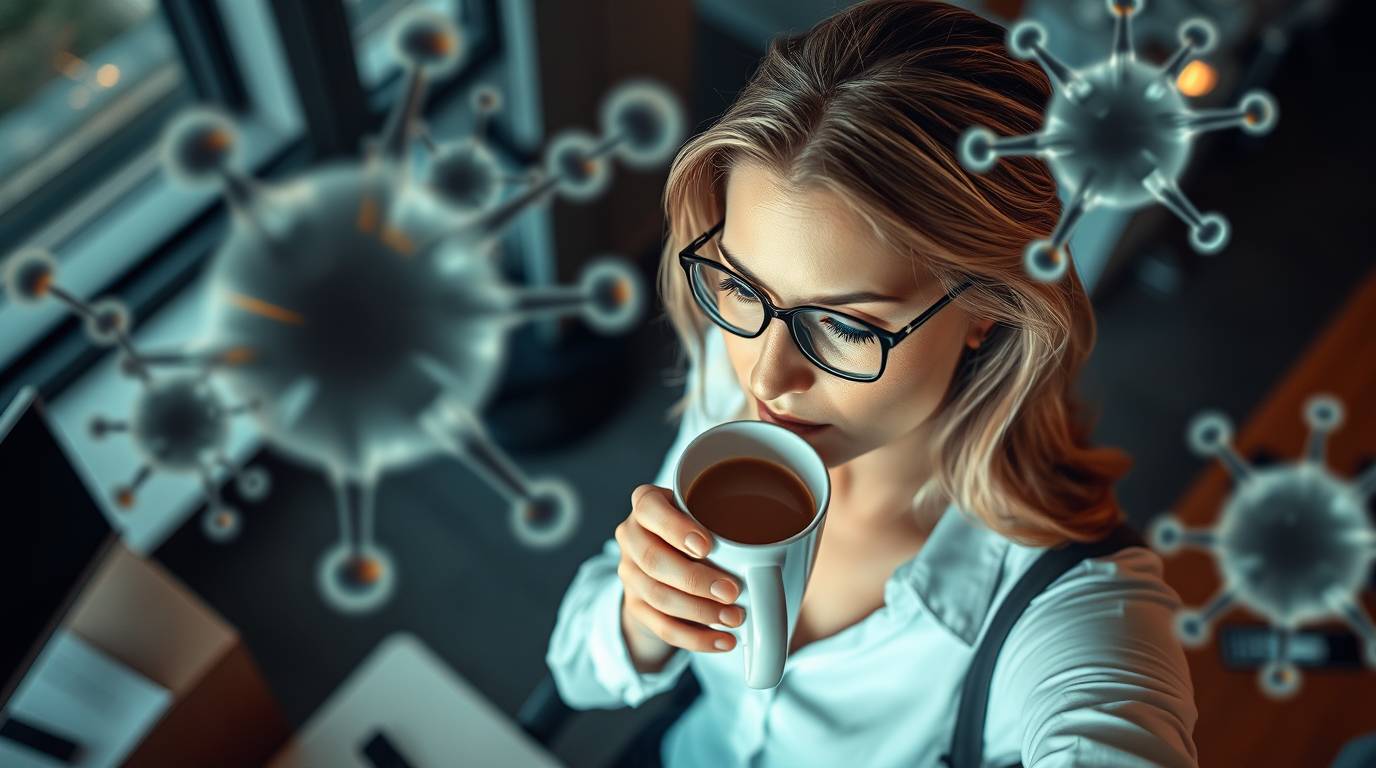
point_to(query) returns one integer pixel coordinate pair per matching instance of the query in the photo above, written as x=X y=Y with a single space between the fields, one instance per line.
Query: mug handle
x=766 y=627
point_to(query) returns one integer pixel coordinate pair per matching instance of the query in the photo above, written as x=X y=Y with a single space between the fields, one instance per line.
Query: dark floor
x=1301 y=206
x=484 y=602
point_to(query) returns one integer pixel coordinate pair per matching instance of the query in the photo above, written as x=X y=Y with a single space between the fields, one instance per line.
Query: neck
x=876 y=489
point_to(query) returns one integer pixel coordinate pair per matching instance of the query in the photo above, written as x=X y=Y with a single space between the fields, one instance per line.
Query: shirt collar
x=955 y=575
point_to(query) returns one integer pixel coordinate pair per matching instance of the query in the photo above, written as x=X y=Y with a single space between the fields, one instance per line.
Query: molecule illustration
x=1294 y=543
x=1117 y=134
x=179 y=421
x=1156 y=25
x=361 y=305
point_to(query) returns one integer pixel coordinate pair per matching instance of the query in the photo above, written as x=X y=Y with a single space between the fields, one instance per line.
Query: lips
x=794 y=425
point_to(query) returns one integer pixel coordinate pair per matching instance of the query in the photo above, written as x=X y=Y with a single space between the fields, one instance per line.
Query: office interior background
x=88 y=87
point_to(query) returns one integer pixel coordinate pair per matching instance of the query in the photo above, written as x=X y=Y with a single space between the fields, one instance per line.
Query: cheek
x=914 y=382
x=741 y=353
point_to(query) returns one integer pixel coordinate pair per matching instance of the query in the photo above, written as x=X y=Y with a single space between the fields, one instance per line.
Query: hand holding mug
x=763 y=491
x=671 y=594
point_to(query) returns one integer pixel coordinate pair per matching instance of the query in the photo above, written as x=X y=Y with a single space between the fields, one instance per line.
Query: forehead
x=807 y=241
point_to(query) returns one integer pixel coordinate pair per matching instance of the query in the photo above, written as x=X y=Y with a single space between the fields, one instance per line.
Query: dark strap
x=967 y=744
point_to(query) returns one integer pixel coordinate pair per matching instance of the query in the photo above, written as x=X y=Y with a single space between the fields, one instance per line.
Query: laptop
x=53 y=536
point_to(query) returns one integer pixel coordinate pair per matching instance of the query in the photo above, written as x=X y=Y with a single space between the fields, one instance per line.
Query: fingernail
x=696 y=544
x=728 y=616
x=722 y=644
x=721 y=589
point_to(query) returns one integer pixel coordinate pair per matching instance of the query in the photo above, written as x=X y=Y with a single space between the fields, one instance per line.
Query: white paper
x=81 y=694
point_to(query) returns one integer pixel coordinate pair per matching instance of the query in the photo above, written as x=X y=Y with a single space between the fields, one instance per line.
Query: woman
x=835 y=176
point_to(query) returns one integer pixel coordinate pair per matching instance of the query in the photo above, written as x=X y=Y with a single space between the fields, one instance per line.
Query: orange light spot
x=217 y=140
x=367 y=570
x=622 y=292
x=442 y=43
x=69 y=65
x=367 y=215
x=264 y=309
x=1196 y=79
x=124 y=497
x=237 y=355
x=107 y=75
x=43 y=285
x=398 y=241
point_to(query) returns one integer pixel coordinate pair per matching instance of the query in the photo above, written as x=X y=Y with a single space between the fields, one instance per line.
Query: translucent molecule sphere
x=1116 y=134
x=1294 y=543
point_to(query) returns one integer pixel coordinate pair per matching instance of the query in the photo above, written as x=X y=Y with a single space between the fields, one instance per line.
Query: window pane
x=72 y=74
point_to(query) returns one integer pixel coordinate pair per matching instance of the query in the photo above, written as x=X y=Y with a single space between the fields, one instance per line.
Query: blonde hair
x=869 y=104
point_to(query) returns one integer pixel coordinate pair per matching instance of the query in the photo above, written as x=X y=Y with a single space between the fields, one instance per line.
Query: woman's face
x=805 y=246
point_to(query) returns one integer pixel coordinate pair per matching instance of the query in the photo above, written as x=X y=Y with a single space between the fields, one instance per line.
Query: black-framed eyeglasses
x=838 y=343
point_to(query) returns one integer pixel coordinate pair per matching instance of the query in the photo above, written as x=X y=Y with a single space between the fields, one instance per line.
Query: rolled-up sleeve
x=1096 y=672
x=587 y=652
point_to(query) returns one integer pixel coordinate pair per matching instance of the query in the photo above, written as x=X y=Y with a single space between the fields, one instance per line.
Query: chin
x=833 y=449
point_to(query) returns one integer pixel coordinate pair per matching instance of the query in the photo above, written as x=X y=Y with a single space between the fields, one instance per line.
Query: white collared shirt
x=1091 y=675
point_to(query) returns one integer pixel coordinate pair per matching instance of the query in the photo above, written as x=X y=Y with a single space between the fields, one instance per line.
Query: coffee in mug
x=763 y=491
x=751 y=501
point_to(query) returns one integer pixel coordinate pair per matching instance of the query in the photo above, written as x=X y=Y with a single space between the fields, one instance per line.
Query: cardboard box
x=222 y=712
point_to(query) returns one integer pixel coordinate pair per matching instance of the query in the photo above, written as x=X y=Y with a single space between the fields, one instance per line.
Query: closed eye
x=734 y=287
x=848 y=333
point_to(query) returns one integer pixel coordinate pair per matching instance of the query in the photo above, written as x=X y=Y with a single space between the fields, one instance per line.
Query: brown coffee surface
x=751 y=501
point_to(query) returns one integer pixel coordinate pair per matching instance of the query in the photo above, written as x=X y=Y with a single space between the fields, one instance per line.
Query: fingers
x=677 y=632
x=676 y=603
x=653 y=507
x=667 y=565
x=669 y=591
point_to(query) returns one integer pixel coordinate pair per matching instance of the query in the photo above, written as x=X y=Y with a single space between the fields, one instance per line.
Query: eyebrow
x=854 y=297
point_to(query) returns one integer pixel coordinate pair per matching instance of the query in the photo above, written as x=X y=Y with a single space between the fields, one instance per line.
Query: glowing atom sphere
x=370 y=306
x=1117 y=134
x=179 y=422
x=360 y=309
x=1294 y=542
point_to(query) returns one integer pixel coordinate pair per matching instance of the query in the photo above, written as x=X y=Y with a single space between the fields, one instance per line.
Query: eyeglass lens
x=828 y=338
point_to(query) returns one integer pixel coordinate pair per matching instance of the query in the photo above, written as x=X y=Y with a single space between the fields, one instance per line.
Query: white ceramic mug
x=772 y=576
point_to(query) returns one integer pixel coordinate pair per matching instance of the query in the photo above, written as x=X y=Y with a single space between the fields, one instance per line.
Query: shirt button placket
x=766 y=706
x=753 y=723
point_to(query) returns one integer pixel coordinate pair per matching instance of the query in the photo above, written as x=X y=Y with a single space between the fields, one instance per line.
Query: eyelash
x=732 y=287
x=847 y=333
x=837 y=328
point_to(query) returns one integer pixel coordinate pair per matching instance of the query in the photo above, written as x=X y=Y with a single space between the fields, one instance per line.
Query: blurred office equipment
x=110 y=629
x=55 y=536
x=426 y=713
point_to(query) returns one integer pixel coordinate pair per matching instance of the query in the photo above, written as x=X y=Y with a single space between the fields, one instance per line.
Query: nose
x=780 y=367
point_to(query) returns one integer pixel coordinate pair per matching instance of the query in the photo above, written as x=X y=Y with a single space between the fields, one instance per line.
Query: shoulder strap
x=967 y=744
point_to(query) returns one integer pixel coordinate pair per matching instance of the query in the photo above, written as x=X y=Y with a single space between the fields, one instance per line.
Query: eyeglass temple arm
x=692 y=247
x=932 y=310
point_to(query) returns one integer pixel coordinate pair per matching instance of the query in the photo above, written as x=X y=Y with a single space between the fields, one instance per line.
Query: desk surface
x=432 y=716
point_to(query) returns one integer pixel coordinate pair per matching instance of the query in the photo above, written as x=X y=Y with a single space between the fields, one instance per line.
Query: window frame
x=136 y=215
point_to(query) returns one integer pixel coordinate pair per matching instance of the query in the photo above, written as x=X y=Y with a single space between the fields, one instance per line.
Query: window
x=79 y=82
x=100 y=79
